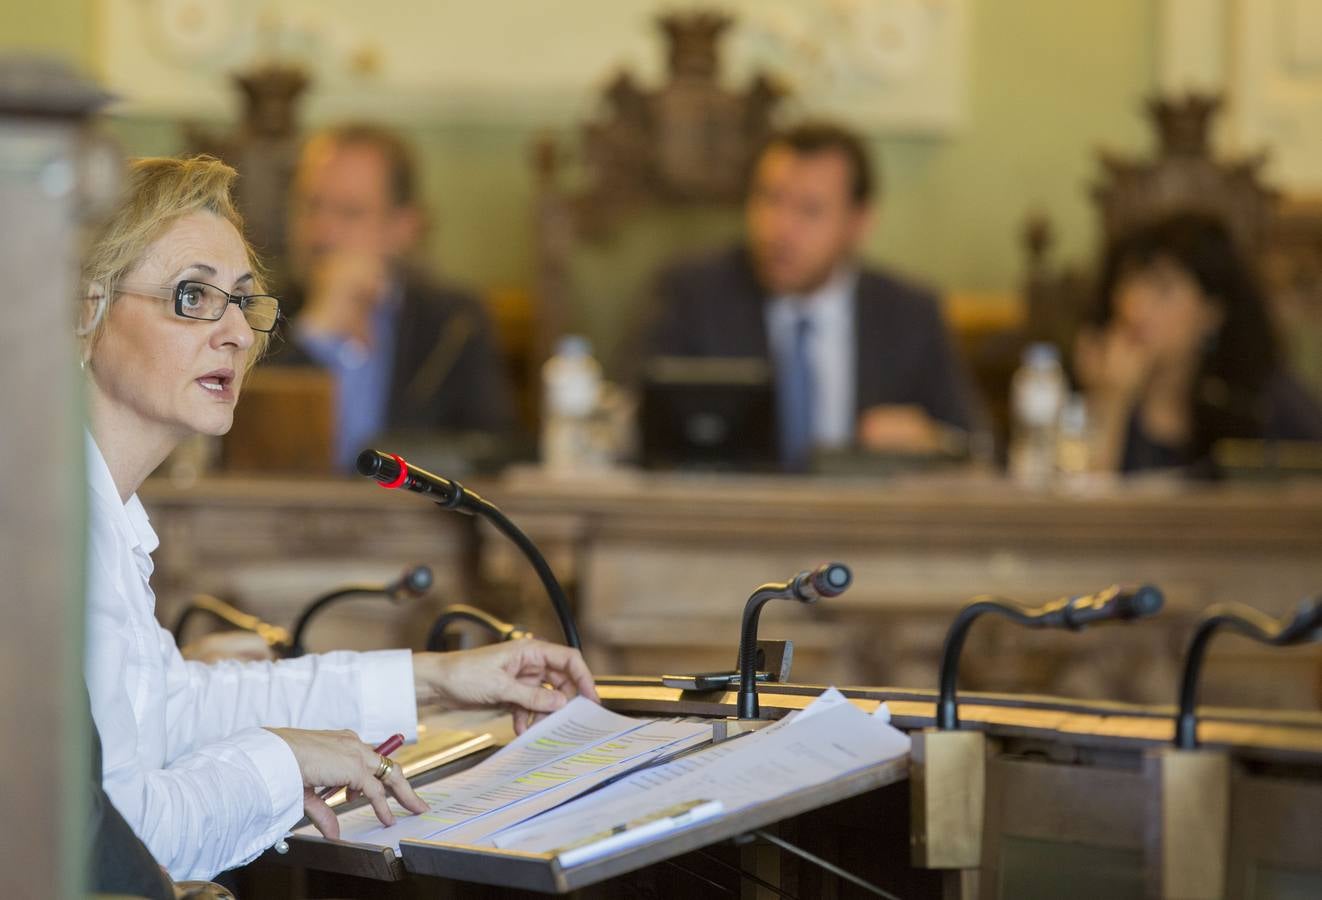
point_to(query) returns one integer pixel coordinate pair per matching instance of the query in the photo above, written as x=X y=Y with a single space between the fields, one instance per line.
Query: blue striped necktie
x=797 y=387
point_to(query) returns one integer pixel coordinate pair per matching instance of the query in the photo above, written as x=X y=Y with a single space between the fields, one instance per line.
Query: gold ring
x=384 y=769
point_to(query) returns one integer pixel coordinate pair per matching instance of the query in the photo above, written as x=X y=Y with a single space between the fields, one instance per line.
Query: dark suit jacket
x=714 y=306
x=448 y=372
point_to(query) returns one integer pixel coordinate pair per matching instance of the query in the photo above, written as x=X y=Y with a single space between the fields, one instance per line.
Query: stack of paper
x=587 y=781
x=778 y=760
x=562 y=756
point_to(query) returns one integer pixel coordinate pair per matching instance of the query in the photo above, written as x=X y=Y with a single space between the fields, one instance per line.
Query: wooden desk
x=662 y=564
x=1068 y=807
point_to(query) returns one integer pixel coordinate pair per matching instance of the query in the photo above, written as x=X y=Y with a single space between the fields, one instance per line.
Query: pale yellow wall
x=1049 y=82
x=60 y=28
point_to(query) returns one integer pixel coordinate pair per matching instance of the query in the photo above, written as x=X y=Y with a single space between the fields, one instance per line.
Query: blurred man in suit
x=407 y=351
x=861 y=357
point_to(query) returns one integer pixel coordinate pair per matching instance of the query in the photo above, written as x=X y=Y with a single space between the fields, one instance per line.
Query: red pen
x=389 y=746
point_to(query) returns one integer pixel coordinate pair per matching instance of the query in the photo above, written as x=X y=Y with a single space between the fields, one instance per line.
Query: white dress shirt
x=185 y=760
x=832 y=349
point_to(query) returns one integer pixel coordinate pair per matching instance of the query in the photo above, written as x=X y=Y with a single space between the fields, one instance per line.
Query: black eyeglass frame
x=164 y=292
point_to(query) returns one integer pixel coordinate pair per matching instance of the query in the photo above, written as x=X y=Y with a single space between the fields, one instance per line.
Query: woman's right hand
x=344 y=289
x=1111 y=365
x=340 y=759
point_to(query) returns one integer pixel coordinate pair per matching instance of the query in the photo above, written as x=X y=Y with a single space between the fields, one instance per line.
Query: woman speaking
x=212 y=764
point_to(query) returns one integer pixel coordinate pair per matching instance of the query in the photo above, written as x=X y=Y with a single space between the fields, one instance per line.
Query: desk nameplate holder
x=542 y=871
x=340 y=858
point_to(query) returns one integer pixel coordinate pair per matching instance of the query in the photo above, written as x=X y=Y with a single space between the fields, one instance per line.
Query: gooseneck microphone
x=391 y=471
x=1301 y=626
x=414 y=582
x=828 y=580
x=462 y=612
x=1071 y=613
x=276 y=638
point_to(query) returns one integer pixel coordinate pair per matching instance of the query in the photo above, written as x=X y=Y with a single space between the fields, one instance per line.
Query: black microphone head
x=831 y=579
x=1144 y=601
x=1306 y=624
x=417 y=580
x=378 y=465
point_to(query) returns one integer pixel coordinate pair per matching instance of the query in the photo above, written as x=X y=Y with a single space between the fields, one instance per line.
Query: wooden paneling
x=270 y=546
x=662 y=566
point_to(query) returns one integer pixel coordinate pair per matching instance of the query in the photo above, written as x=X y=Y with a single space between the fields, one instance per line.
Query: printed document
x=738 y=774
x=557 y=759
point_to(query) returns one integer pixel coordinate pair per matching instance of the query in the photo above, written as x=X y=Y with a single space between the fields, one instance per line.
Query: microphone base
x=947 y=791
x=1190 y=799
x=724 y=729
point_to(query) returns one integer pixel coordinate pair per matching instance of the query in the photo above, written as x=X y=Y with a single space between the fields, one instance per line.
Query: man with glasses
x=405 y=351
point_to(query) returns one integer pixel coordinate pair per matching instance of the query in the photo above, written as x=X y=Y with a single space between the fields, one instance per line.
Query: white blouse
x=185 y=759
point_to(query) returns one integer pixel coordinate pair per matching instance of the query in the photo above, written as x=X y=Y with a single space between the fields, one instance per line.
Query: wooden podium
x=1069 y=811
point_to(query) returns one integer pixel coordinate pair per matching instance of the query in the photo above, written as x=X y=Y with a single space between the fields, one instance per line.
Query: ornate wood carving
x=687 y=141
x=264 y=149
x=690 y=140
x=1184 y=175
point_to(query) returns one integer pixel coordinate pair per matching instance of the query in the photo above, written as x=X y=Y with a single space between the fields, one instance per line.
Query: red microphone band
x=401 y=478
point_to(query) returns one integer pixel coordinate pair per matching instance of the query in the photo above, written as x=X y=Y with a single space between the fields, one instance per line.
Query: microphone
x=414 y=582
x=462 y=612
x=1115 y=603
x=276 y=638
x=392 y=471
x=827 y=580
x=1112 y=604
x=1301 y=626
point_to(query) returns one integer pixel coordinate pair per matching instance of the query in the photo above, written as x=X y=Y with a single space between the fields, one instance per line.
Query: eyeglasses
x=199 y=300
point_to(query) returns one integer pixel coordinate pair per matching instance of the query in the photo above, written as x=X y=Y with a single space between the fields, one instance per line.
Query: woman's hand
x=1111 y=365
x=339 y=758
x=531 y=678
x=344 y=289
x=1113 y=370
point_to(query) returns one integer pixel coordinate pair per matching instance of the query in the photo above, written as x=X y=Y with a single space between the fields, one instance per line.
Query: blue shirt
x=832 y=349
x=362 y=377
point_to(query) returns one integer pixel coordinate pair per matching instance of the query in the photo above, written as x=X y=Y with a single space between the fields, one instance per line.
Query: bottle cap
x=1041 y=354
x=573 y=345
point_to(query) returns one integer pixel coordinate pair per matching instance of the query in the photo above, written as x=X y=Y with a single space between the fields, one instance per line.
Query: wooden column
x=44 y=767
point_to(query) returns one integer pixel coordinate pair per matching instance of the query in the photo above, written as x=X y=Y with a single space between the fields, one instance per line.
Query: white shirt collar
x=827 y=303
x=130 y=518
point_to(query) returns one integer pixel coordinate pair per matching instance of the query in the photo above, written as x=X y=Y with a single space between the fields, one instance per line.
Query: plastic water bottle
x=571 y=384
x=1037 y=398
x=1072 y=442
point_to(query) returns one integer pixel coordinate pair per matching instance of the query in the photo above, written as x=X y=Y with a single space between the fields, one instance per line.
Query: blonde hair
x=158 y=191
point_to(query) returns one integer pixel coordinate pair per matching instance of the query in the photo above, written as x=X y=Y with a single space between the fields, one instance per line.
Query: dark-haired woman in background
x=1181 y=353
